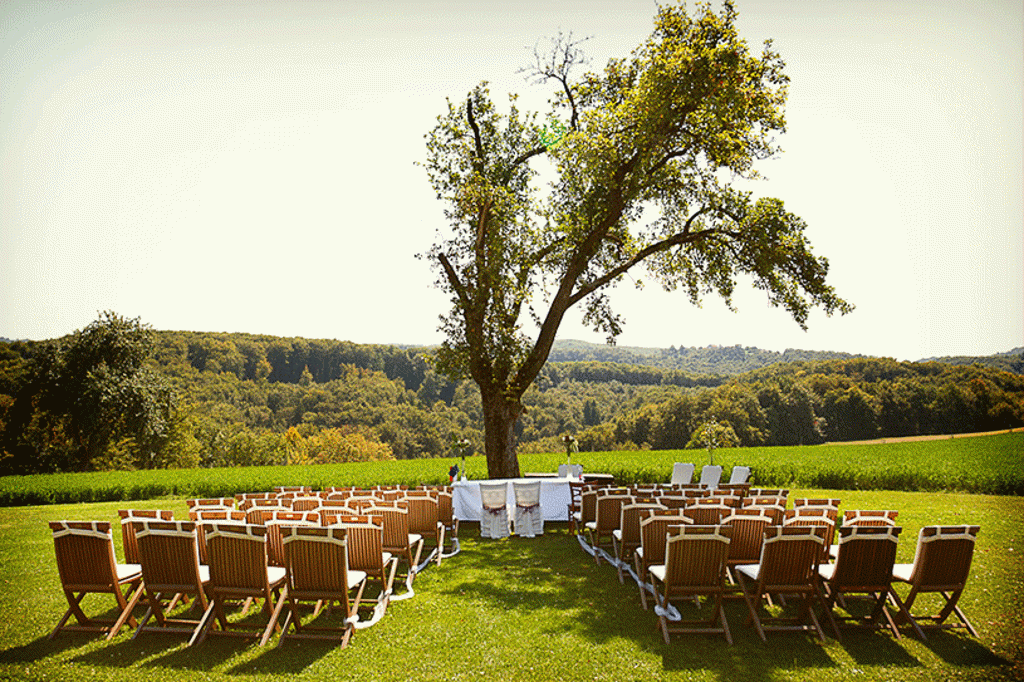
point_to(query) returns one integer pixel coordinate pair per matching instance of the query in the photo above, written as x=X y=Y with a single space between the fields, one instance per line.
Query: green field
x=534 y=609
x=987 y=465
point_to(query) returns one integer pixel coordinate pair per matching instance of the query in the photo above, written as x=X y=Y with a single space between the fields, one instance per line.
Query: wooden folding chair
x=607 y=514
x=424 y=520
x=169 y=554
x=942 y=562
x=129 y=545
x=654 y=528
x=86 y=564
x=788 y=565
x=695 y=561
x=397 y=538
x=318 y=571
x=814 y=516
x=706 y=511
x=366 y=552
x=626 y=538
x=200 y=514
x=863 y=565
x=239 y=570
x=273 y=522
x=211 y=503
x=748 y=527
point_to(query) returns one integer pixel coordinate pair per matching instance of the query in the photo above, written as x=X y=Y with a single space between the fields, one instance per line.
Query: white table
x=554 y=497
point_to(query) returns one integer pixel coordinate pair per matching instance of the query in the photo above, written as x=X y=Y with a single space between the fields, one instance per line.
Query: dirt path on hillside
x=906 y=439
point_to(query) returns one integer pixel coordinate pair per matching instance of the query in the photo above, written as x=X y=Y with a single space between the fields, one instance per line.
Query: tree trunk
x=500 y=416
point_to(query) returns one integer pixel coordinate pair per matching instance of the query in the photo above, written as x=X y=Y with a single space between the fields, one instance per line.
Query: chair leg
x=126 y=613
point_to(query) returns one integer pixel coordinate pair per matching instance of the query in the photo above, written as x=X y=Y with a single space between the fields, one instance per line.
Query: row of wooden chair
x=317 y=570
x=638 y=530
x=398 y=526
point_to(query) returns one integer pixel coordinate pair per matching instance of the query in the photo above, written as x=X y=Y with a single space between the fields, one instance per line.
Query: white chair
x=682 y=473
x=710 y=476
x=739 y=475
x=494 y=519
x=529 y=520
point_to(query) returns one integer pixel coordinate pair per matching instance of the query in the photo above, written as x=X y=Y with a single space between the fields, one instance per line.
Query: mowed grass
x=529 y=609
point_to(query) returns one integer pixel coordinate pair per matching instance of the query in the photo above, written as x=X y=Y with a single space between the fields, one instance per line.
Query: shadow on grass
x=961 y=649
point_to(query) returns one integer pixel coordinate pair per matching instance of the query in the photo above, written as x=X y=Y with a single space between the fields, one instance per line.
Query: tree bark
x=500 y=416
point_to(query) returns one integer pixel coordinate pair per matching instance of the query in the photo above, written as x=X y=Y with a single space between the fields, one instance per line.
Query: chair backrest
x=293 y=489
x=866 y=557
x=445 y=511
x=682 y=473
x=790 y=555
x=316 y=559
x=303 y=504
x=707 y=514
x=199 y=515
x=130 y=546
x=770 y=492
x=609 y=510
x=396 y=525
x=870 y=517
x=365 y=544
x=169 y=554
x=695 y=556
x=674 y=500
x=259 y=514
x=423 y=515
x=214 y=502
x=654 y=525
x=748 y=528
x=629 y=522
x=237 y=556
x=740 y=474
x=815 y=502
x=527 y=494
x=494 y=495
x=710 y=475
x=85 y=554
x=942 y=560
x=776 y=512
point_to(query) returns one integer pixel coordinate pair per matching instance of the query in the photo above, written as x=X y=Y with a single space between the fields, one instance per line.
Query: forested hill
x=218 y=399
x=1010 y=361
x=715 y=360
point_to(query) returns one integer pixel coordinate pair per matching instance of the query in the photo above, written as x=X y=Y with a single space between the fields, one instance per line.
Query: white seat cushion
x=658 y=572
x=275 y=574
x=128 y=571
x=355 y=577
x=749 y=570
x=902 y=572
x=617 y=534
x=826 y=571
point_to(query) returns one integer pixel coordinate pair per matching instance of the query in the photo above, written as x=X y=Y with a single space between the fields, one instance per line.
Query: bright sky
x=249 y=166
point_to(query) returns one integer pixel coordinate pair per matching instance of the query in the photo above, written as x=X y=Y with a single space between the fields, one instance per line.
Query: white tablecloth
x=554 y=497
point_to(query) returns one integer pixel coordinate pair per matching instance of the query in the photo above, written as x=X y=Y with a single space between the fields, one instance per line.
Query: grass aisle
x=528 y=609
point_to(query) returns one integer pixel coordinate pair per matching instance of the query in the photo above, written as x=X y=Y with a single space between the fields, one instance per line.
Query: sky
x=251 y=166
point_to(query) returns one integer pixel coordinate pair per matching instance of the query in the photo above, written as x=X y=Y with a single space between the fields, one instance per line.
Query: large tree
x=88 y=393
x=645 y=166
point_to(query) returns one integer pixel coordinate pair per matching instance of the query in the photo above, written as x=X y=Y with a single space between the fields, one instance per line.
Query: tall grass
x=985 y=465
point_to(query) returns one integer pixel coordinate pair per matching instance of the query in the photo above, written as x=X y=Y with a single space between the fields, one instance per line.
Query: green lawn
x=529 y=609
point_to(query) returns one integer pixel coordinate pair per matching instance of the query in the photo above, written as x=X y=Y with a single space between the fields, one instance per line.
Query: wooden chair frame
x=86 y=564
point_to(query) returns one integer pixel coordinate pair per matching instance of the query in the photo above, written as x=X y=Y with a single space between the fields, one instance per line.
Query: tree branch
x=476 y=133
x=684 y=237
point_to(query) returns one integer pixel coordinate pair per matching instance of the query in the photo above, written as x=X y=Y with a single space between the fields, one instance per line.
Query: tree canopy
x=645 y=177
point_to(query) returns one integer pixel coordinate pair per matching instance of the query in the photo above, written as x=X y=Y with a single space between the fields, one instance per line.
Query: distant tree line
x=118 y=395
